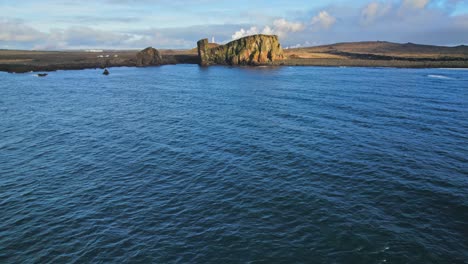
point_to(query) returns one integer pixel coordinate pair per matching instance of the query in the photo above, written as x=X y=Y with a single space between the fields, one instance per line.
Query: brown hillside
x=380 y=48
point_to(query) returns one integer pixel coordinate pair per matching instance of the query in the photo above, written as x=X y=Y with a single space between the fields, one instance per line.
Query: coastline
x=26 y=68
x=20 y=61
x=375 y=63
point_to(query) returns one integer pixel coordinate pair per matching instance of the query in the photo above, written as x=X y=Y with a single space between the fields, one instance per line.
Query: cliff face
x=251 y=50
x=148 y=57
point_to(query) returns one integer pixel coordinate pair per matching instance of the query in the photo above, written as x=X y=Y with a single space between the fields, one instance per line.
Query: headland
x=252 y=50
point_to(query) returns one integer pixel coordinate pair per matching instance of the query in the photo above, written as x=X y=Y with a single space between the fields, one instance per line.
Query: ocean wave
x=439 y=77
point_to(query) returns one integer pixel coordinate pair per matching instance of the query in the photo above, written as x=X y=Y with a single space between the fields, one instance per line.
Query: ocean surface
x=181 y=164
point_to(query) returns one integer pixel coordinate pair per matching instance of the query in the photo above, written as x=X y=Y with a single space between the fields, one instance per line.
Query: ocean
x=182 y=164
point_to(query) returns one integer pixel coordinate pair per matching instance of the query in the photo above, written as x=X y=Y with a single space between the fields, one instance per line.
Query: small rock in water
x=106 y=72
x=42 y=74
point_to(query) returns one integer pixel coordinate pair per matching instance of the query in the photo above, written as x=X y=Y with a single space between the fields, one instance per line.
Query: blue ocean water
x=181 y=164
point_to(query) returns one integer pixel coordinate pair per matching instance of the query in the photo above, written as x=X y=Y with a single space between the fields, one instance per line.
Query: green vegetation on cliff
x=251 y=50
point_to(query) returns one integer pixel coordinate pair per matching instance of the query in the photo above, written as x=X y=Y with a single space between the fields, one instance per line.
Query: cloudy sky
x=122 y=24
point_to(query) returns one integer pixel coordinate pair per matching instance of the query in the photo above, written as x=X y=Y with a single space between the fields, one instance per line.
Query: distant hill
x=382 y=49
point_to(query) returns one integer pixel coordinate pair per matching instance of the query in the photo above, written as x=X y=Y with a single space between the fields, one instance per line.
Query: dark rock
x=42 y=74
x=251 y=50
x=203 y=52
x=149 y=57
x=106 y=72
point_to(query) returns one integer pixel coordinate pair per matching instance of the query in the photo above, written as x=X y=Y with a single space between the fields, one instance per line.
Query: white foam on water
x=439 y=77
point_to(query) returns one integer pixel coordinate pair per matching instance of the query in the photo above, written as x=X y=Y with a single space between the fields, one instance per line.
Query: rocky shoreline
x=29 y=61
x=253 y=50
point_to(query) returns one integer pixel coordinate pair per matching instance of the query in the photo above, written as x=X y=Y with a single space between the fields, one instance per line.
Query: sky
x=178 y=24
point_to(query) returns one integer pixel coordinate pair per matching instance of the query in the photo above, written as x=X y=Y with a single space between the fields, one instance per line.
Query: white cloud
x=14 y=30
x=281 y=27
x=375 y=10
x=268 y=31
x=323 y=20
x=416 y=21
x=462 y=21
x=417 y=4
x=299 y=45
x=243 y=33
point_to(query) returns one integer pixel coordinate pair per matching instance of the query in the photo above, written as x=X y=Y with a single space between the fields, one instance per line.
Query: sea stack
x=251 y=50
x=149 y=57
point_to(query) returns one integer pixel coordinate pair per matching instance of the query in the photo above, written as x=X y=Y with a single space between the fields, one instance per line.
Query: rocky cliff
x=251 y=50
x=149 y=57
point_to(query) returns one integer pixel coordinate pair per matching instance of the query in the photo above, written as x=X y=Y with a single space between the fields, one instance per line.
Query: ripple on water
x=181 y=164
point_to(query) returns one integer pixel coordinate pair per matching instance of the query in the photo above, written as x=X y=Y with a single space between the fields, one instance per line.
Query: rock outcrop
x=149 y=57
x=251 y=50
